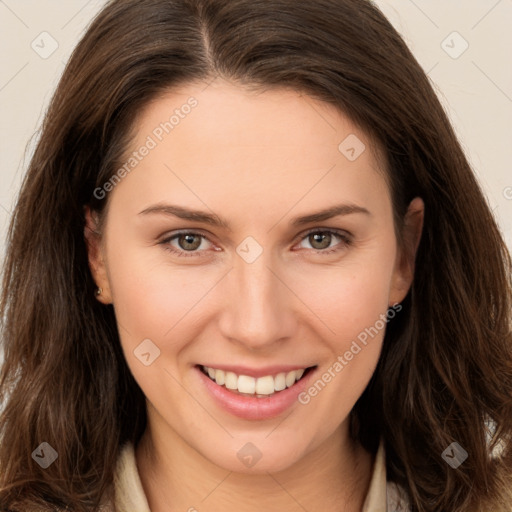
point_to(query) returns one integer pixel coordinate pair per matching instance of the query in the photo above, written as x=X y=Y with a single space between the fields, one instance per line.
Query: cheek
x=350 y=302
x=349 y=296
x=151 y=299
x=156 y=302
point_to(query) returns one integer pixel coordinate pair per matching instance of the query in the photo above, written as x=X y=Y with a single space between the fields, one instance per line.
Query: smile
x=261 y=387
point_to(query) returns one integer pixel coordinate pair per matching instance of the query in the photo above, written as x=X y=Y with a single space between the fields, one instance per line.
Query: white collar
x=130 y=497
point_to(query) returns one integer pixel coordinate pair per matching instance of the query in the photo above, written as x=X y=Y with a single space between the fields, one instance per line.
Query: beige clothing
x=130 y=497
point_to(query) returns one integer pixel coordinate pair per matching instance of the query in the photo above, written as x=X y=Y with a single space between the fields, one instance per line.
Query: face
x=291 y=264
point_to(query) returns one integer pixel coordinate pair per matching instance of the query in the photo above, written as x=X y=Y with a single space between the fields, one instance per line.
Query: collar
x=129 y=494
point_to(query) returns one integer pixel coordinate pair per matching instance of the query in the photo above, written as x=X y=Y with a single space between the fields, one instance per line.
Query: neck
x=176 y=478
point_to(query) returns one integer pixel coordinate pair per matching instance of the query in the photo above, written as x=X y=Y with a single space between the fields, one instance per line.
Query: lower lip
x=252 y=408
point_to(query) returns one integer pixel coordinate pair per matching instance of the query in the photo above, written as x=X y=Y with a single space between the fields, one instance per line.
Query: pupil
x=322 y=238
x=188 y=241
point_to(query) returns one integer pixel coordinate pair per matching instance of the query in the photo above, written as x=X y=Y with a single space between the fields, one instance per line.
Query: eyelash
x=346 y=241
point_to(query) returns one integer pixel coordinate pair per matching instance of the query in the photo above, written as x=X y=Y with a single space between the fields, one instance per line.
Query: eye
x=184 y=242
x=191 y=243
x=324 y=241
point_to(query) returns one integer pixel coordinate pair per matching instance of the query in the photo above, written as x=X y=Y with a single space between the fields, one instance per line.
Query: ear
x=403 y=273
x=96 y=257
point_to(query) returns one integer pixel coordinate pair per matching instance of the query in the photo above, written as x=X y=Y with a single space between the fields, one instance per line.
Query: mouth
x=264 y=386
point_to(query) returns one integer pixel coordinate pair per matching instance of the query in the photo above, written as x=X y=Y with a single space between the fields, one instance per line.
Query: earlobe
x=95 y=256
x=403 y=274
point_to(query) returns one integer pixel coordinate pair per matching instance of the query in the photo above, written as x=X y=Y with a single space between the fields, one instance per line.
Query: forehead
x=276 y=118
x=222 y=142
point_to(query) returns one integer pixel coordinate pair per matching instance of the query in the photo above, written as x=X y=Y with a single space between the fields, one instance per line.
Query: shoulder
x=384 y=495
x=396 y=498
x=128 y=491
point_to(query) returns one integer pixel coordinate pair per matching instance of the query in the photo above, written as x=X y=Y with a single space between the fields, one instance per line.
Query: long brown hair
x=446 y=363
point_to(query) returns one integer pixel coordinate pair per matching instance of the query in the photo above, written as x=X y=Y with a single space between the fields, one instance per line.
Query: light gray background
x=475 y=87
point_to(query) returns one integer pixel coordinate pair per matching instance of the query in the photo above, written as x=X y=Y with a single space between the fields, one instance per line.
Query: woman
x=250 y=268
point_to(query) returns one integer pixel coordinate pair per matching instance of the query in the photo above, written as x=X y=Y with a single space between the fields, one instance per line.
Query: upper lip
x=258 y=372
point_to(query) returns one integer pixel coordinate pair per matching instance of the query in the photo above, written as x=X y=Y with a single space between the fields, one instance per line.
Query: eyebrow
x=214 y=220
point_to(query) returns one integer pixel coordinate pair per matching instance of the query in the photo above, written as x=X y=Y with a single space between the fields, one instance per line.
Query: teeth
x=280 y=381
x=219 y=377
x=264 y=385
x=246 y=384
x=231 y=380
x=261 y=386
x=290 y=378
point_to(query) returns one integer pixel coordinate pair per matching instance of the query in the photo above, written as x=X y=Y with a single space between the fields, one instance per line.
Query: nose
x=258 y=308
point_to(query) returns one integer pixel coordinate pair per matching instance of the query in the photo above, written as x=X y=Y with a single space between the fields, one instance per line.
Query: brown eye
x=186 y=243
x=189 y=241
x=326 y=241
x=320 y=240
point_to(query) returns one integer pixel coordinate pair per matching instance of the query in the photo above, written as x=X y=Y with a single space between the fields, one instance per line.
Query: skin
x=258 y=160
